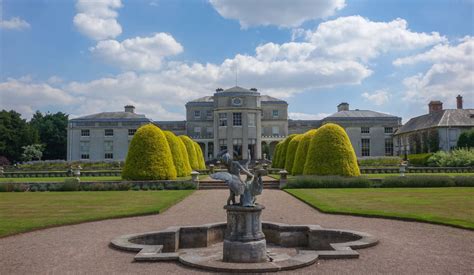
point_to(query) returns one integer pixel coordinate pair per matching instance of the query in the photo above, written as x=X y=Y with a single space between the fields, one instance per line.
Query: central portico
x=236 y=119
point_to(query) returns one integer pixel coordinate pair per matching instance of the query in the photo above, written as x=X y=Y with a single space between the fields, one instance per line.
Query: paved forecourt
x=404 y=248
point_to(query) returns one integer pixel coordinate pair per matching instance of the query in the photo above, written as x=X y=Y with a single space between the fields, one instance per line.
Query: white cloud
x=26 y=97
x=280 y=13
x=97 y=18
x=14 y=23
x=358 y=38
x=304 y=116
x=139 y=53
x=451 y=73
x=378 y=97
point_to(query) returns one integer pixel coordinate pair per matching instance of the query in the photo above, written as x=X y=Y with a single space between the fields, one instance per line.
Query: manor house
x=238 y=119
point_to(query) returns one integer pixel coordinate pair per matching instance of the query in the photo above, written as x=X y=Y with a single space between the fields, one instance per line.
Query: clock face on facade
x=237 y=101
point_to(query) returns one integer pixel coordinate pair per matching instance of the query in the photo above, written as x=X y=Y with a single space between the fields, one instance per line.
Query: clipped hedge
x=301 y=152
x=291 y=152
x=455 y=158
x=419 y=181
x=200 y=156
x=276 y=155
x=283 y=150
x=179 y=154
x=380 y=161
x=331 y=153
x=419 y=159
x=149 y=156
x=328 y=182
x=191 y=150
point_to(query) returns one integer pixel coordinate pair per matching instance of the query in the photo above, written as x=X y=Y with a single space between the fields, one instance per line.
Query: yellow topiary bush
x=291 y=152
x=331 y=153
x=275 y=155
x=301 y=152
x=200 y=156
x=192 y=155
x=179 y=154
x=149 y=156
x=282 y=151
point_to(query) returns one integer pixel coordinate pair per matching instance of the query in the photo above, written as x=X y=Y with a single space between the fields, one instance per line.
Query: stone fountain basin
x=289 y=246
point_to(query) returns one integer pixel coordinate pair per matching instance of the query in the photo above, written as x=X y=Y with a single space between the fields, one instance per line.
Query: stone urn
x=244 y=241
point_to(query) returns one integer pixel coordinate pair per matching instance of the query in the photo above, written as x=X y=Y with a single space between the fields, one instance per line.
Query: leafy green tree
x=52 y=129
x=15 y=133
x=466 y=139
x=149 y=156
x=291 y=152
x=301 y=152
x=331 y=153
x=32 y=152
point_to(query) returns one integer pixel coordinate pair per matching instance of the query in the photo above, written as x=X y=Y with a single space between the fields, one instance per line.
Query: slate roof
x=237 y=89
x=267 y=98
x=112 y=116
x=204 y=99
x=444 y=118
x=360 y=114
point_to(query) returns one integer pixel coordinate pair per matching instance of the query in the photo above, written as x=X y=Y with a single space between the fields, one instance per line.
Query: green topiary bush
x=283 y=150
x=191 y=151
x=179 y=154
x=149 y=156
x=419 y=159
x=328 y=182
x=275 y=155
x=200 y=156
x=331 y=153
x=301 y=152
x=291 y=152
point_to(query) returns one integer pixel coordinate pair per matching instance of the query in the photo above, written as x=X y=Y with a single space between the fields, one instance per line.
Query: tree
x=149 y=156
x=282 y=151
x=52 y=130
x=331 y=153
x=301 y=152
x=180 y=156
x=291 y=152
x=32 y=152
x=191 y=150
x=15 y=133
x=466 y=139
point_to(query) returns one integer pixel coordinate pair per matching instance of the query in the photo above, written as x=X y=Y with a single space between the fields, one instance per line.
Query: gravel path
x=405 y=247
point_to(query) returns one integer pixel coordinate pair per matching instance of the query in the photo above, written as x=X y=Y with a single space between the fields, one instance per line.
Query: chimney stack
x=344 y=106
x=130 y=109
x=459 y=101
x=435 y=106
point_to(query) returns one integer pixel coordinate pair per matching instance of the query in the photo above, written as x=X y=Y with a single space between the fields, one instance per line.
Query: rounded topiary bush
x=179 y=154
x=191 y=150
x=283 y=150
x=200 y=156
x=301 y=152
x=275 y=155
x=149 y=156
x=291 y=152
x=331 y=153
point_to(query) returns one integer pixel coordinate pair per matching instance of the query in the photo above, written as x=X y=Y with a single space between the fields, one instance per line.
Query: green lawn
x=25 y=211
x=451 y=206
x=378 y=176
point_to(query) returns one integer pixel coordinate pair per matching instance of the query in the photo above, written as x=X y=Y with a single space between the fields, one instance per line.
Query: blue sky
x=83 y=57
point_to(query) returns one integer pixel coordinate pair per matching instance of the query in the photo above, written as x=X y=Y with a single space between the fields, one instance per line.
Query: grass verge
x=25 y=211
x=452 y=206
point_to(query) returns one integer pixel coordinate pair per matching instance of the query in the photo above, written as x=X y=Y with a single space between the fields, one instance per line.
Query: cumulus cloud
x=97 y=18
x=14 y=23
x=451 y=72
x=378 y=97
x=26 y=96
x=139 y=53
x=280 y=13
x=358 y=38
x=304 y=116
